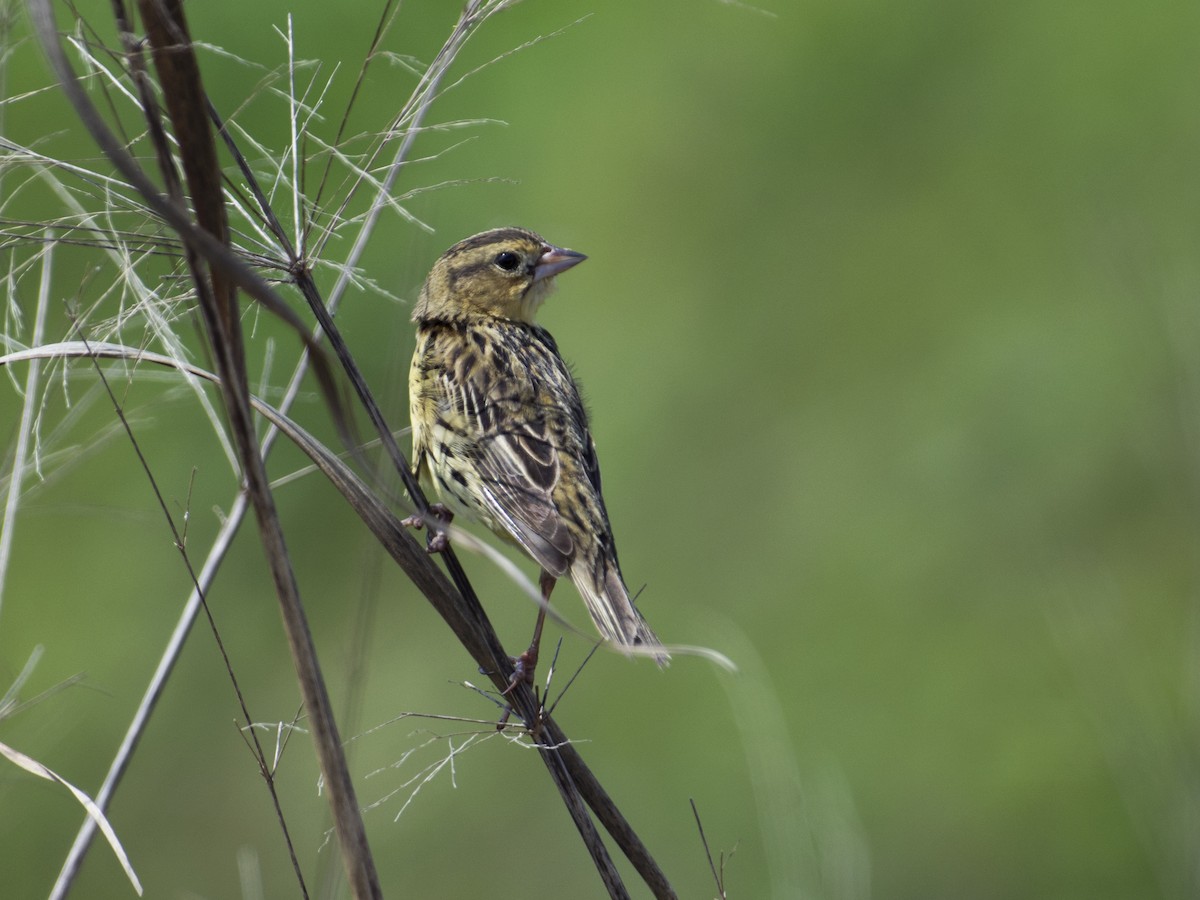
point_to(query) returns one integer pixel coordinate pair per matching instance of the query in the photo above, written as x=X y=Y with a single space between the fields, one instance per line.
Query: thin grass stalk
x=153 y=693
x=216 y=254
x=25 y=426
x=179 y=74
x=181 y=546
x=489 y=645
x=554 y=746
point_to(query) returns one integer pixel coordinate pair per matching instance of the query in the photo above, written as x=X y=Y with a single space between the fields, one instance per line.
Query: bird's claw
x=523 y=669
x=437 y=541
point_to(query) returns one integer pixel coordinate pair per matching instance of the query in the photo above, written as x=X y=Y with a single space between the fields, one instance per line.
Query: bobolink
x=499 y=427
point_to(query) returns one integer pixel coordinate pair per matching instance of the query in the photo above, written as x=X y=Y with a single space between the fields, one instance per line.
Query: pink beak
x=554 y=260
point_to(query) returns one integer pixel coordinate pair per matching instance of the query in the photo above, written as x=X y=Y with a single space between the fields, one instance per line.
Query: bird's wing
x=530 y=440
x=511 y=414
x=518 y=471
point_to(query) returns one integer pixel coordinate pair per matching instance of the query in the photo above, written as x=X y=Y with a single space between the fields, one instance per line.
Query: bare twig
x=718 y=875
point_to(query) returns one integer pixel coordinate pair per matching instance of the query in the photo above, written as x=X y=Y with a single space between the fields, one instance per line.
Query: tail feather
x=612 y=609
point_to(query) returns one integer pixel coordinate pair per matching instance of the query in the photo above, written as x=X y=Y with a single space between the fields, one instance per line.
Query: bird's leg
x=527 y=661
x=438 y=540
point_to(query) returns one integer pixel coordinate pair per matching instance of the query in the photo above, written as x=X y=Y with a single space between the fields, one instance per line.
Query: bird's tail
x=612 y=609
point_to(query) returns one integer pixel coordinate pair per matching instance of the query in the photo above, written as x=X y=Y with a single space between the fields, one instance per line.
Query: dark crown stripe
x=495 y=236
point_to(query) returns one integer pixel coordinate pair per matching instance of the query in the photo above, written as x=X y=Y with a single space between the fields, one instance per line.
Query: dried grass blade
x=36 y=768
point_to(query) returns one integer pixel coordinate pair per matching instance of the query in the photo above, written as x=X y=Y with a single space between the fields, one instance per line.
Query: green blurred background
x=890 y=333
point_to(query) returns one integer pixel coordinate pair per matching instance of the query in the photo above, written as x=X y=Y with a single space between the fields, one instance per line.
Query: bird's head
x=504 y=273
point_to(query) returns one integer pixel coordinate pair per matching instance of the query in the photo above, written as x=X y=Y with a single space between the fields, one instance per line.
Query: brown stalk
x=179 y=76
x=460 y=607
x=218 y=274
x=216 y=282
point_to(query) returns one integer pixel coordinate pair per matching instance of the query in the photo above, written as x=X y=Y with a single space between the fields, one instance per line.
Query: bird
x=501 y=432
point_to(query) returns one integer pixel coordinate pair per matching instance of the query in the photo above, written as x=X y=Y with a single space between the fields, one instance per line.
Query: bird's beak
x=554 y=260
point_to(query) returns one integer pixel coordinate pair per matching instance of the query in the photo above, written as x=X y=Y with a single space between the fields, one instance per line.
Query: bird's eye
x=508 y=261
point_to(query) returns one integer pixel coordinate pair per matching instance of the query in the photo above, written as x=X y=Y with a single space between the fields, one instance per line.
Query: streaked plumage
x=498 y=424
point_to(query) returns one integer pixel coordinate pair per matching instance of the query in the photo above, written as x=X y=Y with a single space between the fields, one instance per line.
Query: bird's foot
x=523 y=669
x=525 y=664
x=438 y=540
